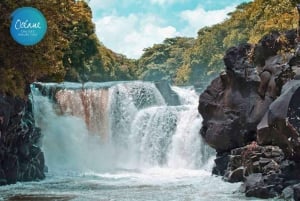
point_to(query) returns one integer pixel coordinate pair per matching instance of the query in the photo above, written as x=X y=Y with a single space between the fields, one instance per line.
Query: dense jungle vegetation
x=201 y=59
x=71 y=50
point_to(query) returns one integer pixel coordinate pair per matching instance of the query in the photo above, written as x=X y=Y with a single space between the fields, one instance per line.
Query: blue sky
x=129 y=26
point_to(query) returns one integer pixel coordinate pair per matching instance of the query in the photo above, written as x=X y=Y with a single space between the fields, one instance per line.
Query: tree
x=70 y=50
x=162 y=61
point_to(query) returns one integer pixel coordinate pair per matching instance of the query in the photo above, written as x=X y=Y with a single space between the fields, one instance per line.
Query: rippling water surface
x=121 y=142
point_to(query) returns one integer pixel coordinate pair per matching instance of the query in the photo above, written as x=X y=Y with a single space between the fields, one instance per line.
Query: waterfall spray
x=117 y=125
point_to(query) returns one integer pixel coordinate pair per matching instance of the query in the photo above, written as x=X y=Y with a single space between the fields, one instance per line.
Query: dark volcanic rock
x=296 y=193
x=256 y=185
x=236 y=101
x=256 y=101
x=20 y=157
x=281 y=124
x=231 y=106
x=261 y=167
x=268 y=46
x=236 y=175
x=288 y=193
x=221 y=163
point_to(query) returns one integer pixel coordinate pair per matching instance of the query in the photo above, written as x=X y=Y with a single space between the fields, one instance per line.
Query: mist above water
x=121 y=141
x=120 y=126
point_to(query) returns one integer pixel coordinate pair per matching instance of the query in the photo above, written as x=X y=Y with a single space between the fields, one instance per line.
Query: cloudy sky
x=129 y=26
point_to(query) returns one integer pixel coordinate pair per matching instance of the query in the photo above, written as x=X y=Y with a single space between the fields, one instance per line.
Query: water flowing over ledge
x=121 y=125
x=121 y=141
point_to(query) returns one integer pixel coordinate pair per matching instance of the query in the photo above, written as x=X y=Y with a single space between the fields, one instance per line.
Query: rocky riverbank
x=251 y=116
x=21 y=159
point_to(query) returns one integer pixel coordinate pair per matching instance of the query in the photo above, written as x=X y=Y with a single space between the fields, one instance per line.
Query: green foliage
x=162 y=61
x=248 y=23
x=11 y=82
x=21 y=65
x=107 y=65
x=70 y=50
x=203 y=60
x=83 y=42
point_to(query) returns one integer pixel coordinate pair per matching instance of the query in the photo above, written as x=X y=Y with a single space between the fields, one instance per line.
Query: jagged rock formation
x=251 y=115
x=20 y=157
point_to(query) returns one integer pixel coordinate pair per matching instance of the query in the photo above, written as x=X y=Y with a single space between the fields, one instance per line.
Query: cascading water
x=124 y=125
x=121 y=141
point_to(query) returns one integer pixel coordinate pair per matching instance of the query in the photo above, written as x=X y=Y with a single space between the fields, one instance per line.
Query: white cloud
x=101 y=4
x=199 y=18
x=163 y=2
x=131 y=34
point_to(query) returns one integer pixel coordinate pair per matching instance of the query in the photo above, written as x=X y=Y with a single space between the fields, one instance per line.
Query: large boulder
x=236 y=101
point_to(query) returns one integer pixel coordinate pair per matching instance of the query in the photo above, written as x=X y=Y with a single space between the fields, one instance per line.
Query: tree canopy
x=71 y=50
x=202 y=60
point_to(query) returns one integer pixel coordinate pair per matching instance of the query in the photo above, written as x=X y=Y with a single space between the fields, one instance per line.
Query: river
x=121 y=141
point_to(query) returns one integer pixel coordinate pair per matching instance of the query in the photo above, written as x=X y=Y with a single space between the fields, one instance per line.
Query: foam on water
x=121 y=141
x=152 y=184
x=122 y=125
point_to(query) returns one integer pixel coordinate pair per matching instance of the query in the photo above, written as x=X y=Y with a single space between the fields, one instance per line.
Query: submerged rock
x=20 y=157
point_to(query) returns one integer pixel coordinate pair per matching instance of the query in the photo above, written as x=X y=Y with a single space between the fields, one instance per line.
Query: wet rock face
x=20 y=157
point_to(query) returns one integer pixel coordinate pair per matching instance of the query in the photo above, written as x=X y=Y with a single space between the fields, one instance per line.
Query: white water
x=125 y=126
x=121 y=142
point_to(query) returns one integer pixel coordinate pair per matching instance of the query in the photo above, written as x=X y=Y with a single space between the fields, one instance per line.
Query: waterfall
x=117 y=125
